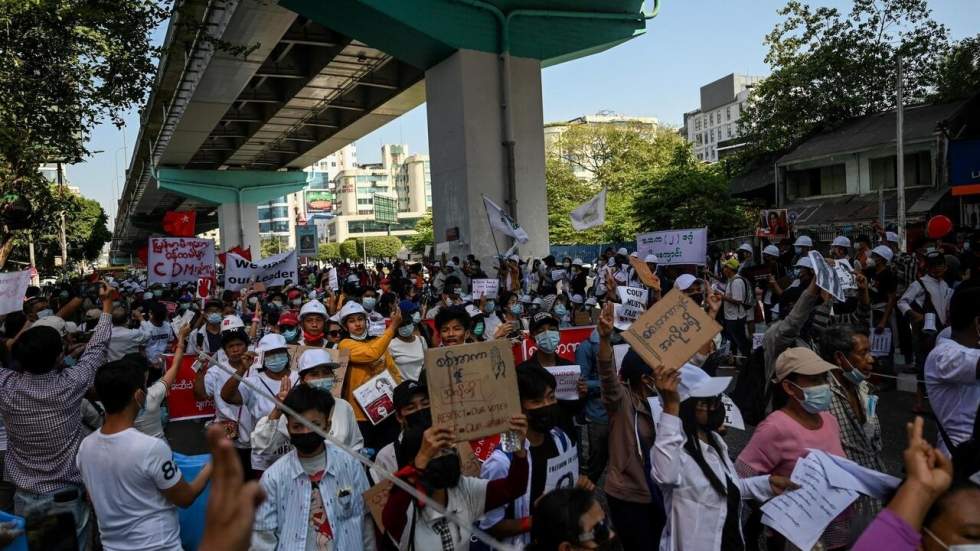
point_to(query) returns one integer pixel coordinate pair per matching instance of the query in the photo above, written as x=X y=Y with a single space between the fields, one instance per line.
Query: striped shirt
x=44 y=421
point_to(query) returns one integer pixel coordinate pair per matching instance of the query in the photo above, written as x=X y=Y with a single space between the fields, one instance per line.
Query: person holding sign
x=429 y=462
x=553 y=456
x=369 y=357
x=690 y=463
x=634 y=500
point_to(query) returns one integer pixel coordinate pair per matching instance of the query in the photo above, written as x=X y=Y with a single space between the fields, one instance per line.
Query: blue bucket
x=192 y=518
x=19 y=544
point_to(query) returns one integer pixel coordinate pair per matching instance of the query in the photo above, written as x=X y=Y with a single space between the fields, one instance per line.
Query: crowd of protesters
x=88 y=365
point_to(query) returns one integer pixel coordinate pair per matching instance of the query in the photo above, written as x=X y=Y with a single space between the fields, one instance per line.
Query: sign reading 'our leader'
x=274 y=270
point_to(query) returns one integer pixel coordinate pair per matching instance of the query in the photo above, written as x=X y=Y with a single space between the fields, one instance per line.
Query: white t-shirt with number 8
x=124 y=474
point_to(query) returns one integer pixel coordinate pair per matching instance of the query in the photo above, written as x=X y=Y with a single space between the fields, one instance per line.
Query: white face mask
x=958 y=547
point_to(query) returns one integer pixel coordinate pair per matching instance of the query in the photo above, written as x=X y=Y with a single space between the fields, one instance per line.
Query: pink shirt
x=779 y=441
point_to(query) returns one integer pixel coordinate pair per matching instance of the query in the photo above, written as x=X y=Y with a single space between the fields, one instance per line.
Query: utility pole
x=35 y=278
x=900 y=156
x=64 y=238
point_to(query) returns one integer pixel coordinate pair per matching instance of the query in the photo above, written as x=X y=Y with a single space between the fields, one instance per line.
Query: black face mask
x=698 y=298
x=716 y=418
x=421 y=419
x=442 y=472
x=306 y=443
x=543 y=419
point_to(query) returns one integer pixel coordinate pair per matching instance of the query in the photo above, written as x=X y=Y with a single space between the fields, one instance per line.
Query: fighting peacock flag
x=500 y=220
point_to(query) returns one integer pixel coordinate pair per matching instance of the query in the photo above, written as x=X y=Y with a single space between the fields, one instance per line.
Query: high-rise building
x=716 y=121
x=553 y=132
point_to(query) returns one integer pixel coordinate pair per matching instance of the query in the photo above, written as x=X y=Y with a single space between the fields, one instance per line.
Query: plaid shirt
x=44 y=419
x=861 y=443
x=904 y=268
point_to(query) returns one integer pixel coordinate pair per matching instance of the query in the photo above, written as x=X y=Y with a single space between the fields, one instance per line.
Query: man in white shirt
x=736 y=314
x=952 y=370
x=124 y=340
x=132 y=480
x=159 y=333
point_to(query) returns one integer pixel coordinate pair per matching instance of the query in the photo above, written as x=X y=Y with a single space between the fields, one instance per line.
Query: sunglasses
x=334 y=333
x=598 y=534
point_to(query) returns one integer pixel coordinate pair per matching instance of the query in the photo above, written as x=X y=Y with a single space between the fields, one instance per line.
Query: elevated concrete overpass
x=249 y=92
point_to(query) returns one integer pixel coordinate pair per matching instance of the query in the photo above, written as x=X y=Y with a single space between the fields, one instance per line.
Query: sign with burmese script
x=672 y=331
x=179 y=259
x=473 y=388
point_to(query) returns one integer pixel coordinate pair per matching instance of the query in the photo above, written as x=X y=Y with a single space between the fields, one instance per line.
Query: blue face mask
x=516 y=309
x=276 y=362
x=323 y=384
x=489 y=307
x=854 y=375
x=548 y=341
x=406 y=330
x=70 y=361
x=560 y=310
x=290 y=335
x=416 y=317
x=368 y=303
x=479 y=328
x=214 y=318
x=815 y=398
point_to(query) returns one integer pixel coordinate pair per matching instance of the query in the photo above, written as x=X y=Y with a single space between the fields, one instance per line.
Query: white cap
x=515 y=258
x=891 y=237
x=314 y=357
x=745 y=247
x=803 y=241
x=53 y=322
x=883 y=252
x=577 y=262
x=635 y=254
x=450 y=264
x=577 y=299
x=684 y=281
x=590 y=301
x=804 y=262
x=315 y=307
x=272 y=341
x=524 y=298
x=651 y=259
x=622 y=251
x=348 y=310
x=695 y=383
x=473 y=311
x=841 y=241
x=771 y=250
x=231 y=323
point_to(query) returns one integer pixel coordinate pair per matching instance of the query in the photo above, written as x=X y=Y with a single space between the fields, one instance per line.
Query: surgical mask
x=548 y=341
x=489 y=307
x=545 y=418
x=815 y=398
x=416 y=317
x=306 y=442
x=253 y=300
x=478 y=329
x=516 y=309
x=958 y=547
x=870 y=263
x=44 y=313
x=276 y=362
x=854 y=375
x=69 y=361
x=277 y=303
x=406 y=331
x=360 y=337
x=290 y=335
x=296 y=301
x=325 y=385
x=798 y=250
x=368 y=303
x=560 y=310
x=214 y=318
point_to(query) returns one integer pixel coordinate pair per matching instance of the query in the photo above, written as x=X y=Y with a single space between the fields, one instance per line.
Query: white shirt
x=736 y=290
x=939 y=292
x=148 y=422
x=953 y=387
x=408 y=356
x=272 y=437
x=124 y=340
x=158 y=337
x=214 y=379
x=259 y=404
x=695 y=510
x=466 y=500
x=124 y=474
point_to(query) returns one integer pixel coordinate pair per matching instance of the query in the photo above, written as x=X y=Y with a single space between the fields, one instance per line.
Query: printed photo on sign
x=375 y=397
x=773 y=224
x=881 y=343
x=566 y=376
x=826 y=276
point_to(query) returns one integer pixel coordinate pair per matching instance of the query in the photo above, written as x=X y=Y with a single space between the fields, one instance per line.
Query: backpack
x=748 y=300
x=752 y=392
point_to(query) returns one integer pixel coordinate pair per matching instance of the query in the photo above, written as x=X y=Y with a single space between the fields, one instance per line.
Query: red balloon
x=938 y=226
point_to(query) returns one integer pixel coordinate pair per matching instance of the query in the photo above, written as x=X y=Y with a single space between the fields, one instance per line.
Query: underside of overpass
x=248 y=85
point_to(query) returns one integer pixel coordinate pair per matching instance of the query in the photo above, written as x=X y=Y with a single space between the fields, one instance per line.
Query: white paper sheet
x=567 y=377
x=733 y=415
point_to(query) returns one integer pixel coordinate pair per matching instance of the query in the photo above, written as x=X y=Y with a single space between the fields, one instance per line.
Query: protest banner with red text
x=181 y=402
x=179 y=259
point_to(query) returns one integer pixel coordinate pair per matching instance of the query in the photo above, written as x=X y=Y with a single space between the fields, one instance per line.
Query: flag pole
x=489 y=223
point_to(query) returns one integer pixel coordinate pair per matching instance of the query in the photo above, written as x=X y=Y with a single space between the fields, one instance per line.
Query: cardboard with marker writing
x=671 y=331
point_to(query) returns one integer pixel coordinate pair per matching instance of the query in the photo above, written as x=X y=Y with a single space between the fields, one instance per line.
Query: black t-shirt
x=539 y=468
x=214 y=341
x=880 y=284
x=569 y=408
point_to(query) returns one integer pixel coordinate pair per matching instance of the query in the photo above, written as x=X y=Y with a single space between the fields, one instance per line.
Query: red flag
x=179 y=223
x=142 y=253
x=244 y=253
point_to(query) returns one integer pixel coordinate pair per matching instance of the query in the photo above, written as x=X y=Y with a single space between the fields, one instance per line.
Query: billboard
x=320 y=200
x=385 y=209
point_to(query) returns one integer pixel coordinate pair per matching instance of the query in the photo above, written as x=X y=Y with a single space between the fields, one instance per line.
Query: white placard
x=826 y=276
x=13 y=287
x=619 y=352
x=375 y=397
x=733 y=415
x=567 y=377
x=485 y=288
x=656 y=409
x=881 y=344
x=557 y=275
x=180 y=321
x=688 y=246
x=442 y=248
x=274 y=270
x=179 y=259
x=332 y=279
x=562 y=470
x=632 y=304
x=757 y=340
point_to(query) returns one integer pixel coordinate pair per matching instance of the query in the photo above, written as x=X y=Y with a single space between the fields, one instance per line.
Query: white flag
x=500 y=220
x=591 y=213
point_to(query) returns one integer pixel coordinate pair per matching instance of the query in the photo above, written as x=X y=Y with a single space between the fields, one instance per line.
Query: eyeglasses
x=598 y=534
x=334 y=333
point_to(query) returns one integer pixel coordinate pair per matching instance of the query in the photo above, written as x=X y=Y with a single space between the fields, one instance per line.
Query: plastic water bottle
x=510 y=441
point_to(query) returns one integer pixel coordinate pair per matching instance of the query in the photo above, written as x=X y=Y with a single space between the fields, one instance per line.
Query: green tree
x=691 y=194
x=352 y=249
x=328 y=251
x=64 y=66
x=959 y=72
x=423 y=235
x=385 y=246
x=829 y=67
x=86 y=232
x=271 y=246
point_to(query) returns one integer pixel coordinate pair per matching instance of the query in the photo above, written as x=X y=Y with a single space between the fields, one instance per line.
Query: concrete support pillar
x=230 y=229
x=467 y=158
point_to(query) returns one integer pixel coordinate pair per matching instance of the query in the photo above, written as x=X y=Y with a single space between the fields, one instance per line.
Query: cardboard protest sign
x=376 y=397
x=375 y=498
x=485 y=288
x=566 y=376
x=181 y=402
x=473 y=388
x=826 y=276
x=569 y=341
x=675 y=246
x=341 y=357
x=469 y=463
x=274 y=270
x=13 y=287
x=632 y=304
x=179 y=259
x=672 y=331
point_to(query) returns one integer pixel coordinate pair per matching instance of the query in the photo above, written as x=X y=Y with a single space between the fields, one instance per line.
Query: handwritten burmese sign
x=473 y=388
x=178 y=259
x=674 y=246
x=672 y=331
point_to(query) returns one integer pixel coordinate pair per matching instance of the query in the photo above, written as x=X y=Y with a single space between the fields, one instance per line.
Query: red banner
x=571 y=337
x=181 y=402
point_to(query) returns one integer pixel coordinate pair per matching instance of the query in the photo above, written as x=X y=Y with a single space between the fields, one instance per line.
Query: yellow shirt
x=367 y=359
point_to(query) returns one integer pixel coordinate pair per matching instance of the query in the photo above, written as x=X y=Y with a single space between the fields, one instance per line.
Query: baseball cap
x=730 y=263
x=53 y=322
x=405 y=391
x=542 y=318
x=651 y=259
x=622 y=251
x=696 y=383
x=272 y=341
x=771 y=250
x=684 y=281
x=408 y=307
x=315 y=357
x=803 y=241
x=93 y=314
x=841 y=241
x=800 y=360
x=883 y=252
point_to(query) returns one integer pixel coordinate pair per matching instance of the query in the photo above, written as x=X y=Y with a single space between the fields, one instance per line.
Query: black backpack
x=752 y=391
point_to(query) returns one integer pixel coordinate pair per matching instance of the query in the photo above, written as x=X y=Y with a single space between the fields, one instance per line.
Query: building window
x=826 y=180
x=728 y=131
x=711 y=118
x=728 y=113
x=918 y=171
x=712 y=135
